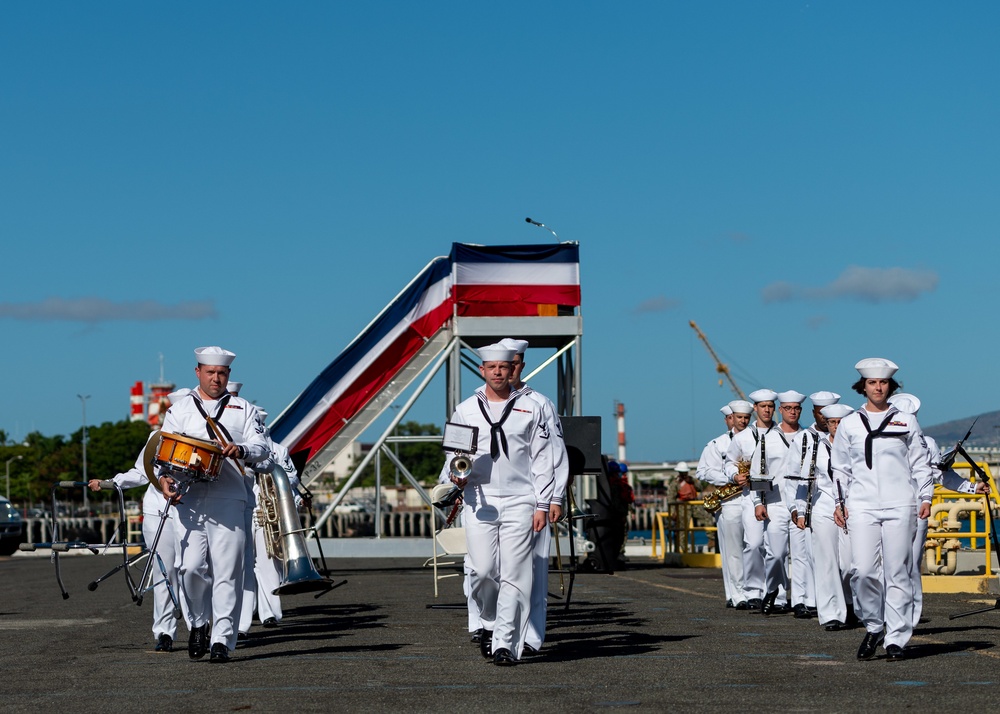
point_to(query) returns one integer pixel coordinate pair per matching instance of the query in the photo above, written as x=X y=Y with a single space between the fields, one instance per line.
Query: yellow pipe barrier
x=681 y=536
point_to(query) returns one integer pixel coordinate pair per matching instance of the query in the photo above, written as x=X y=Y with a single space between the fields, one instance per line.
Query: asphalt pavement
x=648 y=638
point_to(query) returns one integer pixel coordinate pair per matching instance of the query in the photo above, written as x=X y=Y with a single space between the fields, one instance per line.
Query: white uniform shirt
x=526 y=467
x=899 y=461
x=797 y=468
x=711 y=465
x=746 y=446
x=240 y=418
x=560 y=460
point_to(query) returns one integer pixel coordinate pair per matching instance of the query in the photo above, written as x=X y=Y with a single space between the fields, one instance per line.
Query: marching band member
x=261 y=573
x=535 y=636
x=792 y=540
x=764 y=446
x=506 y=502
x=946 y=477
x=881 y=462
x=153 y=503
x=729 y=518
x=831 y=548
x=210 y=531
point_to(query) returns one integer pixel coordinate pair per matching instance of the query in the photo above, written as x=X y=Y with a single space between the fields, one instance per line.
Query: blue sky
x=812 y=182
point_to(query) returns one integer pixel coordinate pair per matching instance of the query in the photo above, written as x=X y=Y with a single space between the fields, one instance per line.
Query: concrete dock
x=648 y=638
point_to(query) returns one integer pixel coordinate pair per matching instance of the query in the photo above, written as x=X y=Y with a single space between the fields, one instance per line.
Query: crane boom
x=720 y=367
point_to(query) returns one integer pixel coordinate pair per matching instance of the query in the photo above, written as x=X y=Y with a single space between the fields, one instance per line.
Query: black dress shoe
x=486 y=644
x=198 y=642
x=220 y=653
x=852 y=618
x=893 y=653
x=528 y=651
x=742 y=605
x=729 y=604
x=834 y=626
x=242 y=636
x=767 y=604
x=269 y=622
x=801 y=612
x=869 y=645
x=476 y=636
x=504 y=658
x=165 y=643
x=753 y=604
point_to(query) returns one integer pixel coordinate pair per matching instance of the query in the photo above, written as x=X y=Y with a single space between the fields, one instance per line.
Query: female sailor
x=880 y=460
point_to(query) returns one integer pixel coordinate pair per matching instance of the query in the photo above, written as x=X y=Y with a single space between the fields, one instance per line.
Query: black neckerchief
x=872 y=435
x=498 y=439
x=218 y=414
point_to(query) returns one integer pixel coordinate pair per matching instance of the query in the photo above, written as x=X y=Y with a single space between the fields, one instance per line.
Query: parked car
x=11 y=527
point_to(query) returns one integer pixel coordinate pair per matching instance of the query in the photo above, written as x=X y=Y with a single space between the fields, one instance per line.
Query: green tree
x=422 y=459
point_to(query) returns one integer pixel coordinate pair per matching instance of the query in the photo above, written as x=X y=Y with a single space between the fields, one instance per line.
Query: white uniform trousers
x=831 y=549
x=475 y=621
x=500 y=541
x=211 y=541
x=249 y=602
x=881 y=551
x=753 y=550
x=801 y=575
x=535 y=635
x=916 y=565
x=729 y=522
x=265 y=576
x=164 y=622
x=777 y=529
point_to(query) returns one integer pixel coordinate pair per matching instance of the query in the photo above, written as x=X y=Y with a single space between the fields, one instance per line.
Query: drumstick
x=222 y=440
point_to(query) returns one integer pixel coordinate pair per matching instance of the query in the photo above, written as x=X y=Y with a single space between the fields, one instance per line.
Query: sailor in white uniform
x=262 y=574
x=831 y=547
x=506 y=502
x=153 y=504
x=535 y=636
x=210 y=530
x=880 y=459
x=797 y=465
x=729 y=518
x=946 y=477
x=764 y=445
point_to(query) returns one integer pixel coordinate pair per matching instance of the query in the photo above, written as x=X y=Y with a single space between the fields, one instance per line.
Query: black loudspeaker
x=582 y=435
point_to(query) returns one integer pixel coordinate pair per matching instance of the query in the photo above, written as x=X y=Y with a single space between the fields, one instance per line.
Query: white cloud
x=660 y=303
x=93 y=310
x=868 y=284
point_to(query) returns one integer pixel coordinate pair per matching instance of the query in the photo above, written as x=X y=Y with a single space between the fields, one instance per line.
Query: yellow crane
x=720 y=367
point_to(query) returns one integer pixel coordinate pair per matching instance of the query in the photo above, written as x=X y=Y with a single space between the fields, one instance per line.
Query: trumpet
x=460 y=466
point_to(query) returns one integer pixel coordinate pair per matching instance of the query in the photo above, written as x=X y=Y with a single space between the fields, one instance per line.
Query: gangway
x=475 y=296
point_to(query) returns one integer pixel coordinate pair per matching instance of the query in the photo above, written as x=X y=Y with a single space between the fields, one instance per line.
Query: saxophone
x=714 y=500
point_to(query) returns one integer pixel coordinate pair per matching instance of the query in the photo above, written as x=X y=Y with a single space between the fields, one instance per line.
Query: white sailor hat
x=824 y=399
x=215 y=356
x=740 y=406
x=836 y=411
x=791 y=397
x=263 y=413
x=682 y=467
x=726 y=410
x=905 y=402
x=763 y=395
x=234 y=387
x=174 y=397
x=876 y=368
x=519 y=346
x=496 y=353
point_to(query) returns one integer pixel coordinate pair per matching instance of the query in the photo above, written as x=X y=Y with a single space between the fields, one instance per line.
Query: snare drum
x=193 y=458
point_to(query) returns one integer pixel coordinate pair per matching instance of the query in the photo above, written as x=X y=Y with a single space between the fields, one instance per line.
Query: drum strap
x=218 y=415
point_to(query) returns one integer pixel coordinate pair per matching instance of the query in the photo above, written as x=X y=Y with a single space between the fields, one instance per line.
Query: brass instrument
x=460 y=466
x=713 y=501
x=266 y=516
x=283 y=538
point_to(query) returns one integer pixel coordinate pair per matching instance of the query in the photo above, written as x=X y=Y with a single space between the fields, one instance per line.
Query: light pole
x=83 y=401
x=12 y=458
